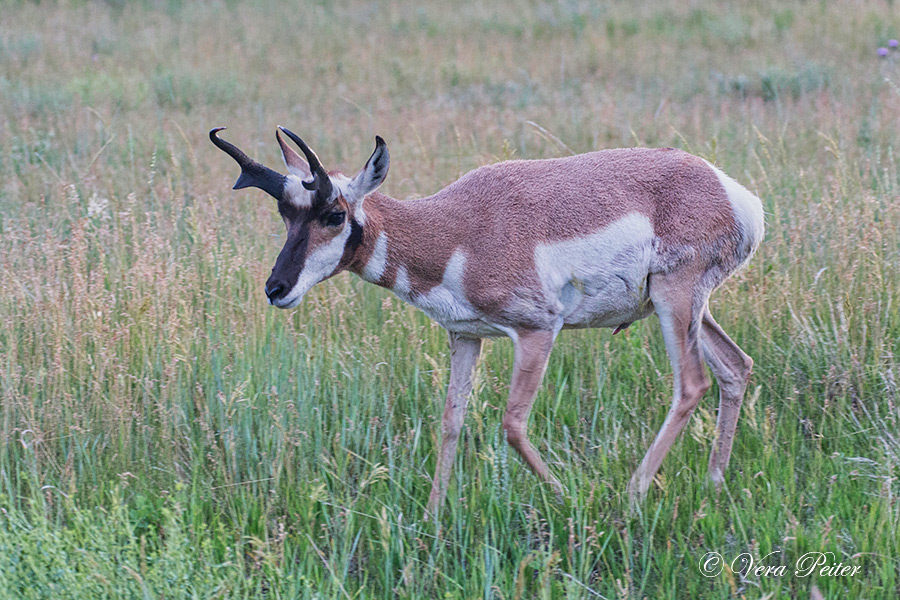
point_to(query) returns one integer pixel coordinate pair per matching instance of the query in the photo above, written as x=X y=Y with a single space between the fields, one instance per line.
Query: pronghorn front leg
x=532 y=349
x=463 y=356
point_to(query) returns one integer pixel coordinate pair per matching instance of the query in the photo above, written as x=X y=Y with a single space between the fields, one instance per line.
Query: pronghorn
x=527 y=248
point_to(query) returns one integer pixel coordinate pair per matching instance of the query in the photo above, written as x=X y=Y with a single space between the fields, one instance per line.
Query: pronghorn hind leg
x=680 y=309
x=532 y=350
x=463 y=357
x=731 y=368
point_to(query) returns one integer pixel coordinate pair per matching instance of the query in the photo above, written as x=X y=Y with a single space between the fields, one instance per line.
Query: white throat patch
x=374 y=269
x=446 y=303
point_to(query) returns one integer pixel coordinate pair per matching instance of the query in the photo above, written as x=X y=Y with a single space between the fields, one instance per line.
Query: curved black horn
x=321 y=183
x=253 y=174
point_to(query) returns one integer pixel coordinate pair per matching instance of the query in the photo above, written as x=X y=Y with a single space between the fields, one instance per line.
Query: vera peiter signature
x=821 y=564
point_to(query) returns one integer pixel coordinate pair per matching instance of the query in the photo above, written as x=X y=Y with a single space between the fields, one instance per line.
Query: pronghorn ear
x=294 y=162
x=373 y=174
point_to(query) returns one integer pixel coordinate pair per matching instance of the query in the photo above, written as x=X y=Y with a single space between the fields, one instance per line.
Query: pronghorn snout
x=275 y=290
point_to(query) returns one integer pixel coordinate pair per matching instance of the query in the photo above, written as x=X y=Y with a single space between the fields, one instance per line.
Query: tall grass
x=166 y=434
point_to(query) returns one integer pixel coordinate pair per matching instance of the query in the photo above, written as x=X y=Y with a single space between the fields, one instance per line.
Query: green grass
x=164 y=433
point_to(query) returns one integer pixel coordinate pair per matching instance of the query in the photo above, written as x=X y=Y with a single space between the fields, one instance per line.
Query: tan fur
x=532 y=352
x=497 y=215
x=674 y=296
x=526 y=248
x=463 y=357
x=731 y=368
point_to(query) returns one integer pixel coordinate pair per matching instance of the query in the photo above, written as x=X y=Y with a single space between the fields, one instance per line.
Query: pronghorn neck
x=394 y=252
x=373 y=225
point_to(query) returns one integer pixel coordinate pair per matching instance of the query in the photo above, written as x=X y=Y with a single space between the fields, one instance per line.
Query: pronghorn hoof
x=636 y=490
x=717 y=479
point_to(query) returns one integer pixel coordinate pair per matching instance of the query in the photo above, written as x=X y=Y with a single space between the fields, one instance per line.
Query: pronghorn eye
x=334 y=219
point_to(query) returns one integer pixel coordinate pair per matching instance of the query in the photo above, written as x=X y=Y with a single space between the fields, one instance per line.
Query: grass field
x=164 y=433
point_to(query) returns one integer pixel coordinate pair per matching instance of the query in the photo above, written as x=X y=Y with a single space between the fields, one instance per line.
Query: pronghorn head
x=322 y=211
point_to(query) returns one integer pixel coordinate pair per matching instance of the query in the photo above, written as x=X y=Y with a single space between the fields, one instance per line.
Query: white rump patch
x=374 y=269
x=748 y=211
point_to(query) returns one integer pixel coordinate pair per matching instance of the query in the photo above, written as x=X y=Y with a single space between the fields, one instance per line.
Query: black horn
x=321 y=183
x=253 y=174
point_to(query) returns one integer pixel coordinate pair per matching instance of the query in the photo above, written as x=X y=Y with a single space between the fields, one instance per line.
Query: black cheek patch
x=353 y=241
x=356 y=234
x=299 y=254
x=292 y=258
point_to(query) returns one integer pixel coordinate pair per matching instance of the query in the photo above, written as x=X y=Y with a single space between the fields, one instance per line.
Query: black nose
x=275 y=290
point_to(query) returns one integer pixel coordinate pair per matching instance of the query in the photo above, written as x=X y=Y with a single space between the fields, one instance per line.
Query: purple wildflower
x=893 y=43
x=882 y=52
